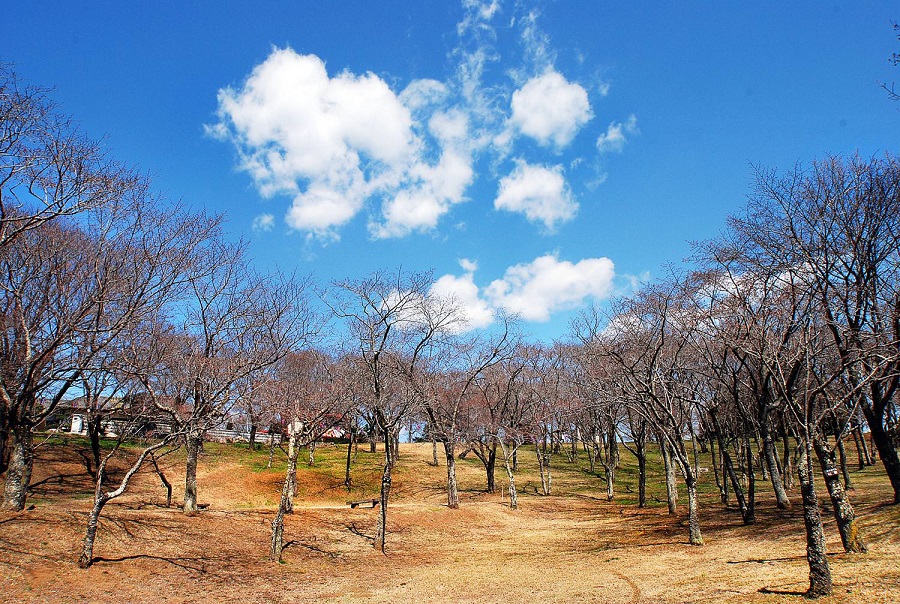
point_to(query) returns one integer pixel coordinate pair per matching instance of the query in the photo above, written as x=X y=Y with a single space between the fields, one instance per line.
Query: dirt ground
x=573 y=547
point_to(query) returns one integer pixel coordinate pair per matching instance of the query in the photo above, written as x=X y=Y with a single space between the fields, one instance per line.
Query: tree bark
x=271 y=449
x=381 y=533
x=252 y=441
x=544 y=469
x=452 y=489
x=285 y=505
x=642 y=476
x=844 y=516
x=884 y=445
x=311 y=449
x=434 y=455
x=193 y=443
x=513 y=496
x=671 y=486
x=696 y=538
x=490 y=464
x=751 y=483
x=162 y=478
x=347 y=482
x=782 y=501
x=87 y=546
x=787 y=477
x=862 y=453
x=94 y=424
x=845 y=471
x=819 y=571
x=19 y=467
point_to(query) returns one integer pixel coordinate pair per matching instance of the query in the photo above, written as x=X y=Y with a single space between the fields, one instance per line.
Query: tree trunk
x=751 y=483
x=844 y=515
x=94 y=425
x=489 y=466
x=696 y=538
x=162 y=478
x=434 y=455
x=285 y=506
x=863 y=458
x=642 y=475
x=787 y=476
x=728 y=468
x=819 y=571
x=291 y=477
x=714 y=456
x=87 y=546
x=271 y=449
x=671 y=486
x=347 y=482
x=452 y=490
x=782 y=502
x=544 y=469
x=18 y=471
x=513 y=497
x=884 y=445
x=381 y=533
x=252 y=442
x=311 y=449
x=845 y=471
x=192 y=444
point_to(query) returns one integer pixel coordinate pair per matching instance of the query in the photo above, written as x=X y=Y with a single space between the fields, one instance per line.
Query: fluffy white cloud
x=613 y=141
x=263 y=223
x=464 y=291
x=431 y=192
x=533 y=290
x=340 y=144
x=538 y=192
x=547 y=284
x=550 y=109
x=332 y=143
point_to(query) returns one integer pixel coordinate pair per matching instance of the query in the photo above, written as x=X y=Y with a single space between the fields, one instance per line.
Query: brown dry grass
x=571 y=547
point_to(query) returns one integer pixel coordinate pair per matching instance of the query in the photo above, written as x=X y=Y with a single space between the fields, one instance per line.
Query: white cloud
x=431 y=192
x=550 y=109
x=463 y=290
x=341 y=144
x=263 y=223
x=332 y=143
x=533 y=291
x=539 y=192
x=614 y=140
x=547 y=284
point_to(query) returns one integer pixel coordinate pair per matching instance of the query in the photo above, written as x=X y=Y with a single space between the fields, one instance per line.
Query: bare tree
x=68 y=291
x=312 y=400
x=392 y=319
x=237 y=324
x=47 y=167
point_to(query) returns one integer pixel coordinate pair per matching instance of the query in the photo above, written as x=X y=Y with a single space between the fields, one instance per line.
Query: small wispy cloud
x=263 y=223
x=613 y=141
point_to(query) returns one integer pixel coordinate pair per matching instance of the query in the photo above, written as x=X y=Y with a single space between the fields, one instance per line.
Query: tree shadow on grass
x=311 y=547
x=781 y=592
x=197 y=565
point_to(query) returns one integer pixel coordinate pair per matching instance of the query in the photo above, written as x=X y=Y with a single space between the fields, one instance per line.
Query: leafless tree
x=312 y=401
x=392 y=319
x=237 y=323
x=69 y=290
x=47 y=167
x=453 y=368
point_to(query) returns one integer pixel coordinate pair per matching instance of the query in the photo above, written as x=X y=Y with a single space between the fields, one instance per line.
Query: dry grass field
x=573 y=546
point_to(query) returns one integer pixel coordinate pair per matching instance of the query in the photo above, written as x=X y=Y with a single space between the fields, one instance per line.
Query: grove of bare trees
x=771 y=352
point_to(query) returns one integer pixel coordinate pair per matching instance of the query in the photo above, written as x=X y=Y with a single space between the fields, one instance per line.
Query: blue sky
x=536 y=156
